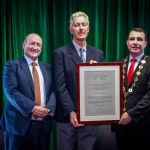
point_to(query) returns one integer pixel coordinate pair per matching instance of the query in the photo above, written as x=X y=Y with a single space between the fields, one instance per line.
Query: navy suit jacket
x=138 y=102
x=64 y=69
x=19 y=91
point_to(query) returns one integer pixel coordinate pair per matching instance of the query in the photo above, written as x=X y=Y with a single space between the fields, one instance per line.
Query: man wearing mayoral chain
x=133 y=129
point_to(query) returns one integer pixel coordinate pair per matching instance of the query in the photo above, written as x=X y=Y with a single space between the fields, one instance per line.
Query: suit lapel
x=126 y=73
x=73 y=53
x=25 y=67
x=137 y=68
x=89 y=54
x=75 y=57
x=45 y=76
x=27 y=72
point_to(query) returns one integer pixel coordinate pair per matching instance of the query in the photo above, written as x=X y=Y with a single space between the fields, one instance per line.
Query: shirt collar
x=29 y=61
x=77 y=46
x=138 y=58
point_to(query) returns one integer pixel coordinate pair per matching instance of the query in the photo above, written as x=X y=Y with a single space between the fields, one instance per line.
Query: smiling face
x=79 y=29
x=136 y=43
x=32 y=46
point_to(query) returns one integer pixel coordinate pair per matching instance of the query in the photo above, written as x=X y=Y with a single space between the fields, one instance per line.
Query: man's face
x=136 y=43
x=79 y=29
x=33 y=46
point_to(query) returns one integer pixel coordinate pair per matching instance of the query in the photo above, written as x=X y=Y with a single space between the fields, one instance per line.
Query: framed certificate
x=99 y=92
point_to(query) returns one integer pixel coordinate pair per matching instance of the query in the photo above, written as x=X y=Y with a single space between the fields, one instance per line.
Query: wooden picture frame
x=99 y=92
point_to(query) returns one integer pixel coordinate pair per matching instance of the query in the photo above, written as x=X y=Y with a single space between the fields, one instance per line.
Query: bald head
x=31 y=35
x=32 y=46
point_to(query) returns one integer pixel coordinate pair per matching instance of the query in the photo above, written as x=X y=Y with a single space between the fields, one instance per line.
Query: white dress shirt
x=41 y=80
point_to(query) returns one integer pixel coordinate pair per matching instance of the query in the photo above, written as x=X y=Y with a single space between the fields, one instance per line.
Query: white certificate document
x=99 y=92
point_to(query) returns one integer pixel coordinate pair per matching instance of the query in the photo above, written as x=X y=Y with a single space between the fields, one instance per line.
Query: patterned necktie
x=131 y=69
x=81 y=54
x=36 y=84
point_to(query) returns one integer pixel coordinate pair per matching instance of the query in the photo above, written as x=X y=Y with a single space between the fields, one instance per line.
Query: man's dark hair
x=139 y=30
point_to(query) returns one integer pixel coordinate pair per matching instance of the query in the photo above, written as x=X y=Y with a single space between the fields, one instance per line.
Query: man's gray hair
x=78 y=14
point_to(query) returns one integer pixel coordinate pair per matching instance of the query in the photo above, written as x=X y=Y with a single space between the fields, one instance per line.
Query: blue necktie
x=81 y=54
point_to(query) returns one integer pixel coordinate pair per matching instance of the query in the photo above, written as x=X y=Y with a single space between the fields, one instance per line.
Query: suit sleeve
x=12 y=90
x=62 y=93
x=142 y=107
x=51 y=104
x=101 y=58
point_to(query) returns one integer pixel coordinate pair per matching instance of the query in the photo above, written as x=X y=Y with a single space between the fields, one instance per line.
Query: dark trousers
x=34 y=139
x=128 y=141
x=70 y=138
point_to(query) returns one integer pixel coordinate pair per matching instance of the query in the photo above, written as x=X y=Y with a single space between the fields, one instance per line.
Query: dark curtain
x=110 y=23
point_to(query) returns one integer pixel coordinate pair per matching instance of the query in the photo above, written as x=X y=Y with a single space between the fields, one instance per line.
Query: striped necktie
x=81 y=50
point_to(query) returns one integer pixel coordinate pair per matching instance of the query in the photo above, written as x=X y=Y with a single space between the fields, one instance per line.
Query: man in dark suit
x=26 y=124
x=70 y=134
x=133 y=129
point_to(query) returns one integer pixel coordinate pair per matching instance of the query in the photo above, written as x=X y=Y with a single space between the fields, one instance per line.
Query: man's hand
x=74 y=121
x=125 y=119
x=40 y=112
x=93 y=61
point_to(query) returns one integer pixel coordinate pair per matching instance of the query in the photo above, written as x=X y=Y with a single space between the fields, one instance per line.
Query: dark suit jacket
x=19 y=91
x=138 y=102
x=64 y=64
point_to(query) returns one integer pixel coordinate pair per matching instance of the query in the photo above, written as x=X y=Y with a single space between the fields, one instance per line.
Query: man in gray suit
x=26 y=124
x=70 y=134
